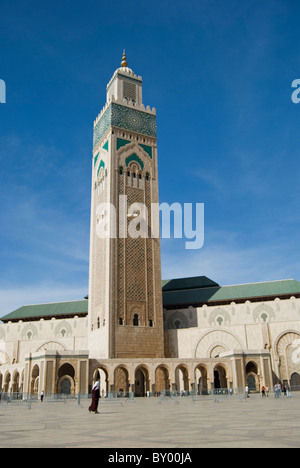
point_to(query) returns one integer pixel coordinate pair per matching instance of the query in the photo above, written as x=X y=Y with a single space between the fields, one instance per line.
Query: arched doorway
x=16 y=382
x=65 y=386
x=295 y=382
x=201 y=380
x=66 y=379
x=22 y=382
x=101 y=375
x=121 y=381
x=35 y=380
x=252 y=377
x=141 y=385
x=162 y=384
x=182 y=379
x=220 y=379
x=288 y=352
x=251 y=383
x=7 y=379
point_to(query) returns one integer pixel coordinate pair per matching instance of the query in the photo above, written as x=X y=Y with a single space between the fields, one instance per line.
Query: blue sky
x=219 y=74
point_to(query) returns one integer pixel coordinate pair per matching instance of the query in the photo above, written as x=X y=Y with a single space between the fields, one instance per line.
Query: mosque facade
x=135 y=332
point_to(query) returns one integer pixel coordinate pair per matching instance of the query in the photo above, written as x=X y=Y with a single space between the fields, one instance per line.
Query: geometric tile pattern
x=127 y=119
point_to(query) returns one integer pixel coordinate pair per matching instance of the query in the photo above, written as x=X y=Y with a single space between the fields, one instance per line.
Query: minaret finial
x=124 y=60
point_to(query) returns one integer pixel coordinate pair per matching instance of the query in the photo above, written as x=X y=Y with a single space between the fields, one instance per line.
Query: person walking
x=263 y=392
x=277 y=390
x=95 y=398
x=42 y=396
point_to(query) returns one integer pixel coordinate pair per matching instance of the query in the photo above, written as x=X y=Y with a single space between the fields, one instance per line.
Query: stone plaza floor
x=225 y=422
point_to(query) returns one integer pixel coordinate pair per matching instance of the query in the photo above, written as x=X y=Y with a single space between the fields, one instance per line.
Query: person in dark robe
x=95 y=398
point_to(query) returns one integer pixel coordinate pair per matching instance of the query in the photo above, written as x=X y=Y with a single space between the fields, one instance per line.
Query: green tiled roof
x=177 y=293
x=227 y=294
x=188 y=283
x=48 y=310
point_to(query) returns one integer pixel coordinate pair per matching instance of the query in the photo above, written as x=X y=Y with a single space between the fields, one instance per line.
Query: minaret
x=125 y=296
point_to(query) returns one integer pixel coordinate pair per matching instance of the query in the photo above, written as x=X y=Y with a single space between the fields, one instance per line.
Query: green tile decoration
x=121 y=142
x=134 y=157
x=146 y=148
x=125 y=118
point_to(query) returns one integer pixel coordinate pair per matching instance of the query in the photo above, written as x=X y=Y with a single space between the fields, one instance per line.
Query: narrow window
x=220 y=320
x=136 y=320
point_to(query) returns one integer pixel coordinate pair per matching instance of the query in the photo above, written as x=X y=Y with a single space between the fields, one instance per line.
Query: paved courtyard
x=154 y=423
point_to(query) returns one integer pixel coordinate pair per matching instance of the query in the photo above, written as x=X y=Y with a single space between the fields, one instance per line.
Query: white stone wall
x=206 y=331
x=246 y=329
x=21 y=338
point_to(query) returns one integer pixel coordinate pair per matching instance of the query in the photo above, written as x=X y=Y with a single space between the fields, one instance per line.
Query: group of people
x=278 y=390
x=265 y=391
x=285 y=389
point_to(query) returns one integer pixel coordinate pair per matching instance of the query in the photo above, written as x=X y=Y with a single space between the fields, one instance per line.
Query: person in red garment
x=95 y=398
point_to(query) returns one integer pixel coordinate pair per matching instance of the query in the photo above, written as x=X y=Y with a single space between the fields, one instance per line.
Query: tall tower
x=125 y=294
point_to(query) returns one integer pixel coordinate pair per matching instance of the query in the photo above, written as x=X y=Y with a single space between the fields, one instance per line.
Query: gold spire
x=124 y=60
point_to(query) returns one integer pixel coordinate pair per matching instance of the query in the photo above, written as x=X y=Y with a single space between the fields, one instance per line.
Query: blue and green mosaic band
x=127 y=119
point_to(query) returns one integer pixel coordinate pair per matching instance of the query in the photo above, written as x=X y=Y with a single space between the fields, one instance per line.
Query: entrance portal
x=141 y=382
x=220 y=379
x=295 y=382
x=66 y=387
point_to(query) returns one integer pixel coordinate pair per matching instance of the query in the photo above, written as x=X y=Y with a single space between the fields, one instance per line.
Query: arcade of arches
x=140 y=378
x=123 y=379
x=71 y=372
x=179 y=377
x=49 y=372
x=14 y=383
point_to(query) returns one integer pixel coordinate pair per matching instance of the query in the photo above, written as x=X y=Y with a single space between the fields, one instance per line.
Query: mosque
x=135 y=332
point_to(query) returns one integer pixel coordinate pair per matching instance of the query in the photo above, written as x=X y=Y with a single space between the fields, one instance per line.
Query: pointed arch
x=134 y=157
x=223 y=339
x=121 y=380
x=134 y=153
